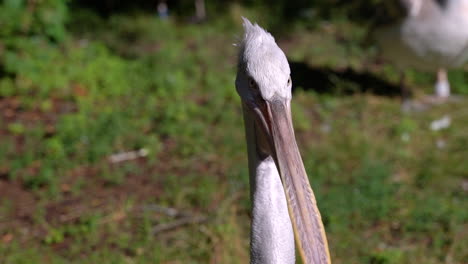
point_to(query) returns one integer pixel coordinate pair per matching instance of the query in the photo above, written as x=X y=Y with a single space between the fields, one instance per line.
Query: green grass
x=387 y=192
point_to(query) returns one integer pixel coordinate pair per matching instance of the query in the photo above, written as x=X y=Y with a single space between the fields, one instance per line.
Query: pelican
x=429 y=35
x=283 y=203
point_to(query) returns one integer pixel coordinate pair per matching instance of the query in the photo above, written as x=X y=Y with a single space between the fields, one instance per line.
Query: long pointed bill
x=303 y=211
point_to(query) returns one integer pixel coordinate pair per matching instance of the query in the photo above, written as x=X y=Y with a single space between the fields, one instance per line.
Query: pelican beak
x=274 y=117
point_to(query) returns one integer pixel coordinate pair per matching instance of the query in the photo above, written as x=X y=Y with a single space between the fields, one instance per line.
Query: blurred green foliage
x=45 y=18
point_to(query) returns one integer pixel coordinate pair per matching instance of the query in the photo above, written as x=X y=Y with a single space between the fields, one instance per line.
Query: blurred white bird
x=428 y=35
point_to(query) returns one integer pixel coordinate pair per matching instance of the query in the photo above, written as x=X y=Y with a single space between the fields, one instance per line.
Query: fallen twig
x=441 y=123
x=172 y=212
x=178 y=223
x=182 y=218
x=126 y=156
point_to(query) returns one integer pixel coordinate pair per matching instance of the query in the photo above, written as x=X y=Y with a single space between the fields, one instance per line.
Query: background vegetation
x=81 y=81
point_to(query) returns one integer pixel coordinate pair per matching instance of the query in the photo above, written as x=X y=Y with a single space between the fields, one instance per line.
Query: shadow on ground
x=341 y=82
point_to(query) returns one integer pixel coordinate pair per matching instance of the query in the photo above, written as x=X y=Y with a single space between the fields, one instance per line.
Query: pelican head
x=263 y=68
x=263 y=80
x=264 y=84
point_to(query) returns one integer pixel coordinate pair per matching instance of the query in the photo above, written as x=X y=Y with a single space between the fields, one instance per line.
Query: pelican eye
x=289 y=81
x=252 y=84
